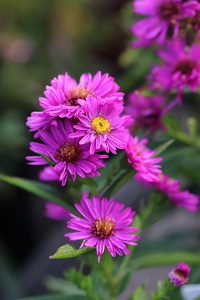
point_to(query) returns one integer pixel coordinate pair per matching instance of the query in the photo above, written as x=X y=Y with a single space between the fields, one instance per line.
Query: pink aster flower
x=180 y=275
x=101 y=125
x=56 y=212
x=62 y=97
x=146 y=111
x=104 y=224
x=69 y=156
x=171 y=188
x=162 y=15
x=39 y=120
x=142 y=159
x=181 y=67
x=48 y=174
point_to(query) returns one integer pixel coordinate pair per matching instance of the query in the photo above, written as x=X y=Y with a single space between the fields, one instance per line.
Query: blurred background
x=39 y=40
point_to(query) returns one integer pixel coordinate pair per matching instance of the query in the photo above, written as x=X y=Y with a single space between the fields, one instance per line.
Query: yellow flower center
x=69 y=153
x=77 y=93
x=100 y=125
x=103 y=228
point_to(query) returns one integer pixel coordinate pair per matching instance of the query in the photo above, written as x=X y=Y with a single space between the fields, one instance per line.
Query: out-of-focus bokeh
x=39 y=40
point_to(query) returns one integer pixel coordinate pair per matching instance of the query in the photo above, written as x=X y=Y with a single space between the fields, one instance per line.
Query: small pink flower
x=162 y=15
x=180 y=68
x=180 y=275
x=142 y=159
x=104 y=224
x=171 y=188
x=101 y=125
x=146 y=111
x=56 y=212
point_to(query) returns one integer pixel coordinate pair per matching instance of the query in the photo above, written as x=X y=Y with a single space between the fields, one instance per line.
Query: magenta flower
x=101 y=125
x=69 y=156
x=104 y=224
x=48 y=174
x=171 y=188
x=56 y=212
x=62 y=97
x=180 y=275
x=39 y=120
x=142 y=159
x=162 y=15
x=181 y=67
x=146 y=111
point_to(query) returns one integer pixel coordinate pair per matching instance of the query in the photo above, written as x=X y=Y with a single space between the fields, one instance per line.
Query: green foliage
x=68 y=251
x=140 y=293
x=42 y=190
x=56 y=297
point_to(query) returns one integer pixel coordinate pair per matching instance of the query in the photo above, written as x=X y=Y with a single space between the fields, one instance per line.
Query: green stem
x=181 y=136
x=119 y=181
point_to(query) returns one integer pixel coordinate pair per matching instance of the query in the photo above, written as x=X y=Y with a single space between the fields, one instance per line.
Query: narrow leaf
x=48 y=160
x=68 y=251
x=56 y=297
x=165 y=259
x=163 y=147
x=42 y=190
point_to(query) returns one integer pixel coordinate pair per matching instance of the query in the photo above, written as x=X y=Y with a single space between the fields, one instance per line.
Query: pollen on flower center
x=100 y=124
x=103 y=228
x=77 y=93
x=185 y=66
x=69 y=153
x=180 y=274
x=168 y=10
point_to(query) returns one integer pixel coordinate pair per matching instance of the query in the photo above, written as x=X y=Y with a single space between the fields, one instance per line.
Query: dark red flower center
x=77 y=93
x=103 y=228
x=69 y=153
x=185 y=66
x=181 y=274
x=169 y=9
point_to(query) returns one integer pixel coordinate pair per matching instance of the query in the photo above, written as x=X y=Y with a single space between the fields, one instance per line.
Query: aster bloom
x=39 y=120
x=101 y=125
x=69 y=156
x=171 y=188
x=180 y=275
x=146 y=111
x=104 y=224
x=48 y=174
x=62 y=97
x=162 y=15
x=56 y=212
x=142 y=159
x=181 y=67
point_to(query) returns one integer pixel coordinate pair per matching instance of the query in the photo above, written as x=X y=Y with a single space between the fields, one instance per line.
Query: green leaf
x=48 y=160
x=193 y=127
x=42 y=190
x=68 y=251
x=56 y=297
x=164 y=259
x=163 y=147
x=140 y=293
x=63 y=287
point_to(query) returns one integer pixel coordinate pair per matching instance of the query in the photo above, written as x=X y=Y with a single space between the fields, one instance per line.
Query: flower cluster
x=180 y=68
x=162 y=16
x=104 y=224
x=78 y=121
